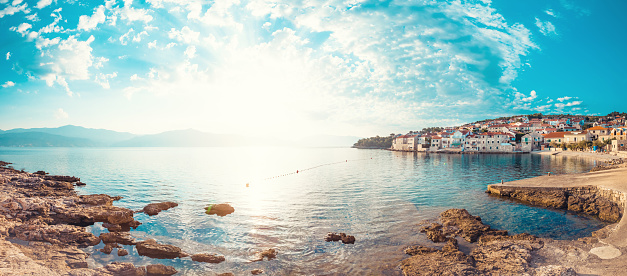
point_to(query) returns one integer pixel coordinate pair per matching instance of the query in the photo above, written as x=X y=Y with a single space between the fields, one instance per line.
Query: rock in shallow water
x=155 y=208
x=347 y=239
x=221 y=209
x=208 y=258
x=152 y=249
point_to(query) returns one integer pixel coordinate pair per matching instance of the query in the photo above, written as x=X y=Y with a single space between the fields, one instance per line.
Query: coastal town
x=521 y=134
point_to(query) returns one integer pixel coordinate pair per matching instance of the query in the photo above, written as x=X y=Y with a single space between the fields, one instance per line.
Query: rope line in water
x=311 y=168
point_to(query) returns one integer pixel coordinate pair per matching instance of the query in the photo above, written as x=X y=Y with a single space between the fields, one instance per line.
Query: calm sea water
x=378 y=196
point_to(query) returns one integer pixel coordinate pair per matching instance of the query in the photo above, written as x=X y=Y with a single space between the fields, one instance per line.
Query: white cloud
x=13 y=9
x=152 y=45
x=99 y=62
x=185 y=35
x=190 y=52
x=266 y=25
x=131 y=14
x=22 y=28
x=60 y=114
x=8 y=84
x=8 y=55
x=135 y=77
x=86 y=22
x=550 y=12
x=575 y=103
x=566 y=98
x=138 y=37
x=46 y=42
x=43 y=3
x=546 y=28
x=103 y=79
x=125 y=37
x=32 y=17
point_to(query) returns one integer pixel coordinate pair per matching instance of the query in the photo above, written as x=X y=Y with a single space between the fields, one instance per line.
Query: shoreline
x=601 y=193
x=43 y=228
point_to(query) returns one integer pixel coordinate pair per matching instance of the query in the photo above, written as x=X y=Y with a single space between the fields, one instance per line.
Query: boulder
x=122 y=252
x=160 y=270
x=256 y=271
x=154 y=208
x=109 y=247
x=118 y=237
x=347 y=239
x=125 y=269
x=221 y=209
x=208 y=258
x=152 y=249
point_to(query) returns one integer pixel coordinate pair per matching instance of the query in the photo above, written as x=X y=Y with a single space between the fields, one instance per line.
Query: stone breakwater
x=49 y=218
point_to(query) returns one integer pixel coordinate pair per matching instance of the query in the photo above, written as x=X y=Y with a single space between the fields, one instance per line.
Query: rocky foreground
x=42 y=227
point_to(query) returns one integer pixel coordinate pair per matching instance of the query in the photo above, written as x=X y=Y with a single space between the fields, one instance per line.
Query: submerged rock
x=154 y=208
x=109 y=247
x=152 y=249
x=268 y=253
x=122 y=252
x=221 y=209
x=208 y=258
x=256 y=271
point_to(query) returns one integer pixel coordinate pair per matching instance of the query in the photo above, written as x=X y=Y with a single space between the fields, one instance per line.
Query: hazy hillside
x=40 y=139
x=100 y=136
x=183 y=138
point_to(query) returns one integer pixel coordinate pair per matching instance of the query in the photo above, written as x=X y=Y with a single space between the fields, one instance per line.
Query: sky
x=306 y=67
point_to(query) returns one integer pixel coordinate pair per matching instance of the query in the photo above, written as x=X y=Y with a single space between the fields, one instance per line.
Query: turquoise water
x=378 y=196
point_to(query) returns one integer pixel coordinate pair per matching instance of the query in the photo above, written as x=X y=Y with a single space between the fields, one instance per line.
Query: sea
x=290 y=198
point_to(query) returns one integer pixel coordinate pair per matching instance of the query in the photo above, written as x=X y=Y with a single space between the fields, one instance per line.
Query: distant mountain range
x=76 y=136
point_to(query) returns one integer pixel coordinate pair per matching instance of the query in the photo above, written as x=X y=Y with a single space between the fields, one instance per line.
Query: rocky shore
x=42 y=228
x=463 y=245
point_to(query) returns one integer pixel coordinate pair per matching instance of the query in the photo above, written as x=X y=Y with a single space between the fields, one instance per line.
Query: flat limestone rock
x=606 y=252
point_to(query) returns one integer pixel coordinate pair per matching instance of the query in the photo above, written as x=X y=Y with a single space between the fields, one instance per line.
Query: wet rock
x=208 y=258
x=56 y=234
x=332 y=237
x=122 y=252
x=152 y=249
x=118 y=237
x=419 y=250
x=347 y=239
x=80 y=184
x=40 y=173
x=470 y=227
x=98 y=199
x=154 y=208
x=434 y=232
x=256 y=271
x=268 y=253
x=594 y=205
x=160 y=270
x=221 y=209
x=112 y=227
x=62 y=178
x=109 y=247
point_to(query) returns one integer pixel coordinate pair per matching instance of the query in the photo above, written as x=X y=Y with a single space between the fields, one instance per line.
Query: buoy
x=296 y=171
x=247 y=185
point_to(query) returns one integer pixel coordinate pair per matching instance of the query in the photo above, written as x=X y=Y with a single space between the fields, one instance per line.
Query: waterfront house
x=495 y=142
x=554 y=137
x=436 y=142
x=599 y=133
x=572 y=137
x=531 y=141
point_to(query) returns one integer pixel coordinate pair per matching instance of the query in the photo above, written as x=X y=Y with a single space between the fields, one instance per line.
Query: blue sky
x=305 y=67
